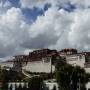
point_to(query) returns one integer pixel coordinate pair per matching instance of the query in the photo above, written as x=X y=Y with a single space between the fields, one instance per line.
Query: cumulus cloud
x=33 y=3
x=4 y=6
x=11 y=31
x=48 y=29
x=16 y=36
x=79 y=34
x=41 y=3
x=45 y=31
x=61 y=29
x=81 y=3
x=55 y=29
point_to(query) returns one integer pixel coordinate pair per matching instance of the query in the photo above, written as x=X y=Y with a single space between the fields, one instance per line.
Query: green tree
x=35 y=83
x=4 y=78
x=56 y=59
x=71 y=78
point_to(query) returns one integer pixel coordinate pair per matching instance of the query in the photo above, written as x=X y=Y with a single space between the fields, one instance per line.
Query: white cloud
x=33 y=3
x=81 y=3
x=61 y=29
x=4 y=6
x=41 y=3
x=17 y=37
x=11 y=31
x=55 y=29
x=79 y=35
x=47 y=30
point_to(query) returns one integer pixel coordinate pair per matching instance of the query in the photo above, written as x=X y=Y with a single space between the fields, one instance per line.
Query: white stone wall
x=39 y=66
x=50 y=84
x=87 y=70
x=6 y=64
x=78 y=60
x=14 y=85
x=88 y=86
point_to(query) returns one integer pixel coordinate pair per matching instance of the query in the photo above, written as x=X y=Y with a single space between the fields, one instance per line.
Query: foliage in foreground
x=36 y=83
x=71 y=77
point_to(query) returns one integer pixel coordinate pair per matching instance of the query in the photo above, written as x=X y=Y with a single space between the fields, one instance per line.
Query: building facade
x=76 y=58
x=41 y=60
x=37 y=61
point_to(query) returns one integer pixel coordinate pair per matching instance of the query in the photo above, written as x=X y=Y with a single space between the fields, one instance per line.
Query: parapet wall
x=39 y=66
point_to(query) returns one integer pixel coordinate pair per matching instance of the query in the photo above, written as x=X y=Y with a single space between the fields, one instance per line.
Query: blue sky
x=32 y=14
x=15 y=3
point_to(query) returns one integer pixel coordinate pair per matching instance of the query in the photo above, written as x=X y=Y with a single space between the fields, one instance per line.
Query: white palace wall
x=78 y=60
x=40 y=66
x=6 y=64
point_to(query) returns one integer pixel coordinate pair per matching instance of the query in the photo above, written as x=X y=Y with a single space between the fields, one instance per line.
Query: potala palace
x=41 y=60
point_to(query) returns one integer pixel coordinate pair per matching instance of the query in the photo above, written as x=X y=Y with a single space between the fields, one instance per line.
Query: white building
x=79 y=60
x=76 y=59
x=14 y=85
x=42 y=66
x=88 y=86
x=6 y=65
x=40 y=60
x=50 y=84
